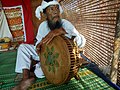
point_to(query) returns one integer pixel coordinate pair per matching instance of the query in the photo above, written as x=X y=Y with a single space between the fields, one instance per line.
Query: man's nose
x=56 y=12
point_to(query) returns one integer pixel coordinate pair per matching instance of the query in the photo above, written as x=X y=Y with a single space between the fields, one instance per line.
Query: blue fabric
x=94 y=68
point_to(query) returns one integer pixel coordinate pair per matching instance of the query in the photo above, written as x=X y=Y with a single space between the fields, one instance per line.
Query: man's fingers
x=49 y=40
x=37 y=49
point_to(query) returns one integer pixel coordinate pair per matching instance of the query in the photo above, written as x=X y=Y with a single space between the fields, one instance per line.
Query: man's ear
x=44 y=16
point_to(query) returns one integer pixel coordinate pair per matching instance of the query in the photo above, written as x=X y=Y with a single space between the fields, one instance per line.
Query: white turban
x=44 y=5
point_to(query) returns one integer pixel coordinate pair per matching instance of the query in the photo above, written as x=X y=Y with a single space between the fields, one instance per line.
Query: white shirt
x=43 y=30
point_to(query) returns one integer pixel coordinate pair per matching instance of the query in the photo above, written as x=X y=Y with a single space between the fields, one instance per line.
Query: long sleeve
x=71 y=31
x=43 y=30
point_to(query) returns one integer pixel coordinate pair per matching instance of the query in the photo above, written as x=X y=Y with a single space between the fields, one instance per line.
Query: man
x=53 y=26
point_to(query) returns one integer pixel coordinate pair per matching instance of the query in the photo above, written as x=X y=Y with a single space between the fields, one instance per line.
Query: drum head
x=55 y=60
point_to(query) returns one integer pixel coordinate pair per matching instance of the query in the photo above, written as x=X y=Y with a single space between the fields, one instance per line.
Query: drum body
x=59 y=60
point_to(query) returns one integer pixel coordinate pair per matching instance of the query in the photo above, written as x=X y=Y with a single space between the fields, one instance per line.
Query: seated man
x=53 y=26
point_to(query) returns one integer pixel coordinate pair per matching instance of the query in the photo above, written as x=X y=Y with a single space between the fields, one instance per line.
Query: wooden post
x=1 y=8
x=0 y=4
x=116 y=55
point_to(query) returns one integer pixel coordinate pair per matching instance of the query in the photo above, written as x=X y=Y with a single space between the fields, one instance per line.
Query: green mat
x=88 y=80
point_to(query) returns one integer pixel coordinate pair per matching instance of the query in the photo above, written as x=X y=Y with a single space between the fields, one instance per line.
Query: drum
x=60 y=60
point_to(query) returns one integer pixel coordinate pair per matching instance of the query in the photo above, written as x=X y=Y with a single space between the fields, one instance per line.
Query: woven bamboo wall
x=96 y=20
x=118 y=79
x=117 y=48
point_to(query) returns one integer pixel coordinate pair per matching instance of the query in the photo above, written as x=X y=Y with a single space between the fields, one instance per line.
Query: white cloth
x=25 y=51
x=4 y=29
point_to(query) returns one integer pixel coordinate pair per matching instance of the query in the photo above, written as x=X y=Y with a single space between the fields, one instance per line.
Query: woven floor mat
x=88 y=80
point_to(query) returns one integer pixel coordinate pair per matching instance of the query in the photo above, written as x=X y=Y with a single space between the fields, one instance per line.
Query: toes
x=26 y=84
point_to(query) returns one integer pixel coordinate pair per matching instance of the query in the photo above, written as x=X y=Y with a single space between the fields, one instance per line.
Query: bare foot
x=24 y=85
x=18 y=77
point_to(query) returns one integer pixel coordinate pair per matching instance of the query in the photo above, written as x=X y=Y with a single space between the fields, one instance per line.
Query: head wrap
x=44 y=5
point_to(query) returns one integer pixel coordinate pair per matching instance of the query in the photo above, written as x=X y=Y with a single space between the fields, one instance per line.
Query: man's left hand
x=52 y=34
x=49 y=37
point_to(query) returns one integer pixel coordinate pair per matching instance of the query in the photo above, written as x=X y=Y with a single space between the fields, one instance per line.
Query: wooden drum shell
x=59 y=60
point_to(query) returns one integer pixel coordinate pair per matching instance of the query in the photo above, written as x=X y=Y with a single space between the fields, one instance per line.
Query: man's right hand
x=38 y=47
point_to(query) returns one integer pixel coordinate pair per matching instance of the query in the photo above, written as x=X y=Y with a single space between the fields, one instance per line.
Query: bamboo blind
x=96 y=20
x=118 y=79
x=117 y=44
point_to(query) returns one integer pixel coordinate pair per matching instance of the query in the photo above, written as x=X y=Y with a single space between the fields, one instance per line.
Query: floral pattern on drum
x=51 y=59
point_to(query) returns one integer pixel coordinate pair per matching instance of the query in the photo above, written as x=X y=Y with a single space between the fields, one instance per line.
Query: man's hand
x=38 y=47
x=52 y=34
x=49 y=37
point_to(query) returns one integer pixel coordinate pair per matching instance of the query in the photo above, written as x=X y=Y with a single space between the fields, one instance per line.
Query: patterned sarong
x=16 y=22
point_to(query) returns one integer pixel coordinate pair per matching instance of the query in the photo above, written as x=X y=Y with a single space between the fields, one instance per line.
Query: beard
x=54 y=25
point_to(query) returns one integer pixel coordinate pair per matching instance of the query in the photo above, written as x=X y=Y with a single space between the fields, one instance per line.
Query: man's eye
x=51 y=9
x=54 y=8
x=58 y=7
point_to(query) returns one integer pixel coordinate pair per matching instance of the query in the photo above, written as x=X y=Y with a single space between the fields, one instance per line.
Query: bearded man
x=53 y=26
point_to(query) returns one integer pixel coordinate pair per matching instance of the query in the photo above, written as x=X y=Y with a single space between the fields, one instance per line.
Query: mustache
x=55 y=17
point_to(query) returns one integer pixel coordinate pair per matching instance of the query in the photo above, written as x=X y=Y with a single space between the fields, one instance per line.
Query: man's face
x=53 y=13
x=53 y=17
